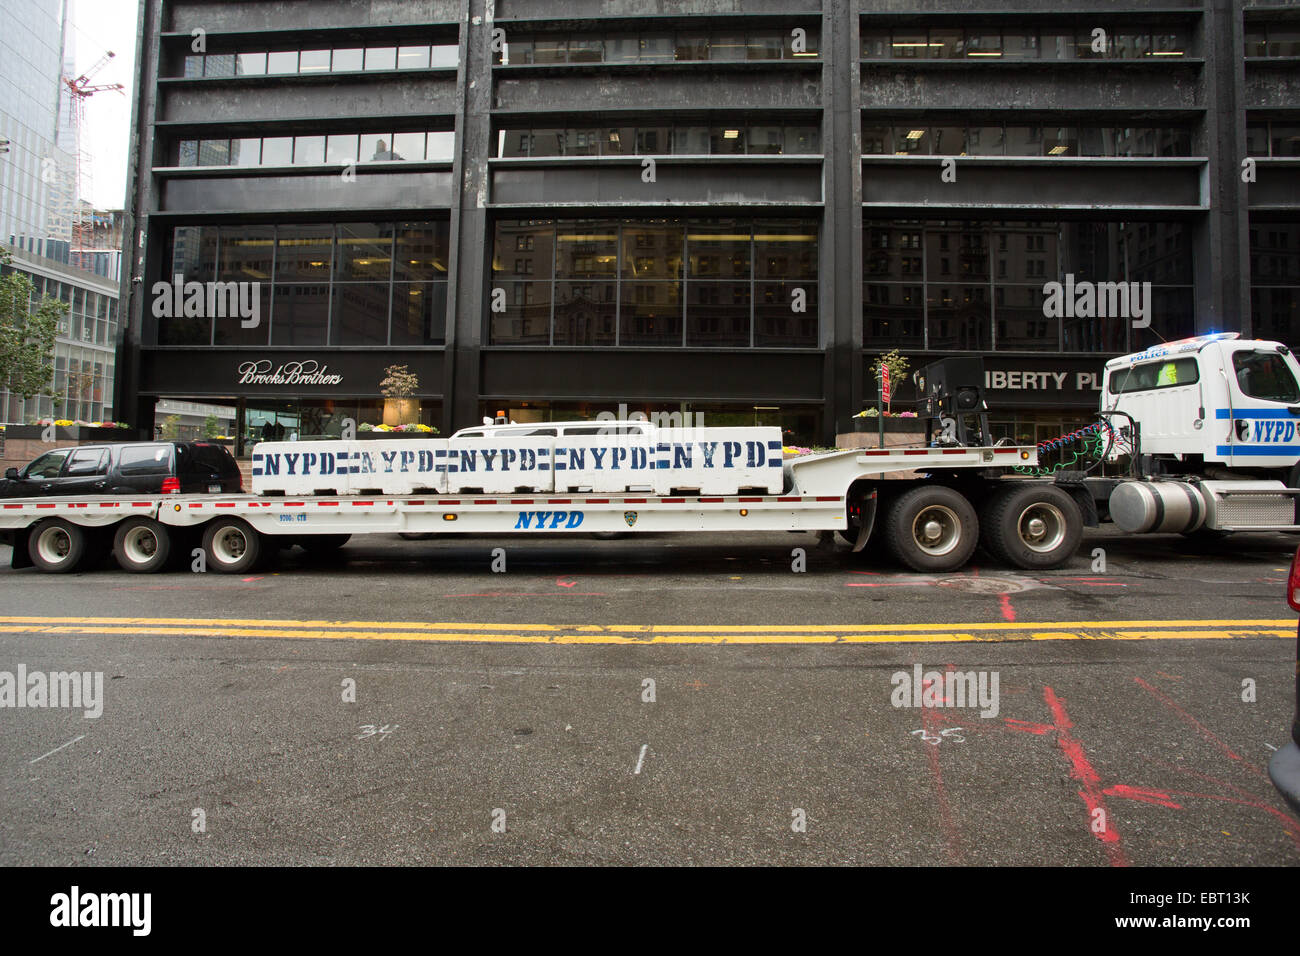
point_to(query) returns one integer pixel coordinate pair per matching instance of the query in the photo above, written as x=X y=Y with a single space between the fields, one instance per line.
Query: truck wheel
x=231 y=546
x=142 y=545
x=57 y=546
x=1035 y=527
x=322 y=543
x=931 y=528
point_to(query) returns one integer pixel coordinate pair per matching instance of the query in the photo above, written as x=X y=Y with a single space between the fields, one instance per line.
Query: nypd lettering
x=1273 y=431
x=548 y=520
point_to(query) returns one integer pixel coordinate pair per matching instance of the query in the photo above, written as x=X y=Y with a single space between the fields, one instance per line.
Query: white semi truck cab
x=1210 y=427
x=1213 y=400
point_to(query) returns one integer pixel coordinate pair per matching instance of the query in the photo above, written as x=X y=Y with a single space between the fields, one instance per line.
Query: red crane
x=81 y=89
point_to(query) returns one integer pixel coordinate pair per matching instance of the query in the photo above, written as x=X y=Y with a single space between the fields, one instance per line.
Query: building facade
x=728 y=208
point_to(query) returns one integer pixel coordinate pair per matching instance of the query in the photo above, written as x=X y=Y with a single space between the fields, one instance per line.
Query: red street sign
x=884 y=383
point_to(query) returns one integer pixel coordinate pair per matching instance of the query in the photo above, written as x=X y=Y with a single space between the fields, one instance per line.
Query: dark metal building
x=718 y=206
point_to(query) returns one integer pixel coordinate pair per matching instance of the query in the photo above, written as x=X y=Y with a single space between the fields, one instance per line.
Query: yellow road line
x=651 y=628
x=665 y=635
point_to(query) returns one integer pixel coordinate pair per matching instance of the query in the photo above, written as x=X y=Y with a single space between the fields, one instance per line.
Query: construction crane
x=83 y=213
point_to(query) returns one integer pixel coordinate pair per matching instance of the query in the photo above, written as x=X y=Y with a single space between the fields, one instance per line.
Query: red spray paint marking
x=951 y=835
x=1204 y=731
x=565 y=584
x=1288 y=823
x=1082 y=770
x=1025 y=727
x=1143 y=794
x=1004 y=602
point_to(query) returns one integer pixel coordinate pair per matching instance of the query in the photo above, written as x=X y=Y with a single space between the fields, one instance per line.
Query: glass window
x=439 y=145
x=277 y=151
x=1020 y=44
x=948 y=141
x=1128 y=44
x=1264 y=375
x=301 y=315
x=445 y=55
x=728 y=47
x=365 y=252
x=419 y=313
x=718 y=314
x=656 y=49
x=282 y=61
x=512 y=142
x=214 y=152
x=875 y=44
x=413 y=58
x=719 y=250
x=1021 y=325
x=1054 y=44
x=550 y=50
x=811 y=45
x=1169 y=43
x=877 y=140
x=308 y=150
x=253 y=306
x=422 y=250
x=764 y=46
x=193 y=66
x=586 y=50
x=48 y=465
x=765 y=140
x=250 y=64
x=246 y=152
x=360 y=312
x=187 y=151
x=785 y=314
x=622 y=49
x=350 y=60
x=1285 y=139
x=985 y=141
x=692 y=46
x=893 y=314
x=617 y=141
x=727 y=140
x=984 y=43
x=408 y=146
x=651 y=250
x=1255 y=43
x=381 y=58
x=246 y=253
x=527 y=316
x=1256 y=139
x=376 y=147
x=585 y=312
x=785 y=250
x=1060 y=141
x=525 y=248
x=803 y=139
x=1151 y=375
x=341 y=149
x=690 y=141
x=580 y=142
x=651 y=313
x=303 y=253
x=546 y=142
x=586 y=249
x=945 y=43
x=909 y=44
x=314 y=61
x=220 y=64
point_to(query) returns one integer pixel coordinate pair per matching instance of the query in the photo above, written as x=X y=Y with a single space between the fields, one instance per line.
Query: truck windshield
x=1265 y=375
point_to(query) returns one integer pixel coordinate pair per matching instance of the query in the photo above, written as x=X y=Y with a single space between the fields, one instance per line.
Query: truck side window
x=48 y=465
x=1151 y=375
x=1265 y=375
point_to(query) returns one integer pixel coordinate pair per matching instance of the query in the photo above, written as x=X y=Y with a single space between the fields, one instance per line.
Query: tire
x=322 y=543
x=57 y=546
x=231 y=546
x=931 y=528
x=1035 y=527
x=142 y=545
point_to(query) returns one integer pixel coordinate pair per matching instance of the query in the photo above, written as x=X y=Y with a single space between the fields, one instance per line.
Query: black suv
x=131 y=468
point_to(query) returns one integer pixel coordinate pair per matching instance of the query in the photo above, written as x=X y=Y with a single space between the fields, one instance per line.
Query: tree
x=171 y=427
x=211 y=427
x=26 y=337
x=897 y=364
x=399 y=383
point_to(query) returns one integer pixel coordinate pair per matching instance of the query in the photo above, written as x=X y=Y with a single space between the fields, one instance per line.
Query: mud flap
x=867 y=523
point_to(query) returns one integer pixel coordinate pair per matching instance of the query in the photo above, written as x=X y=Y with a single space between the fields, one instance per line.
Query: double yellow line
x=465 y=632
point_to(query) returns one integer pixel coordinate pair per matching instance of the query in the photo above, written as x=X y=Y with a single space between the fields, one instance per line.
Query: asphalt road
x=504 y=717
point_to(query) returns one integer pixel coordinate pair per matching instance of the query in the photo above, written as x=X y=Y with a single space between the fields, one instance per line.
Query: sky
x=99 y=26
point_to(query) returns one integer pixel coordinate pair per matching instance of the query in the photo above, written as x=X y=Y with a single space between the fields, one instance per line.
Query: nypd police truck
x=1206 y=428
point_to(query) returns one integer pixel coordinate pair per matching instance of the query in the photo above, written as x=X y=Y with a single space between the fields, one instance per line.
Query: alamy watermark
x=79 y=690
x=922 y=688
x=179 y=299
x=1098 y=300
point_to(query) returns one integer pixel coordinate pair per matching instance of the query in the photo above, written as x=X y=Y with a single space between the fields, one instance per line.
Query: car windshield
x=48 y=465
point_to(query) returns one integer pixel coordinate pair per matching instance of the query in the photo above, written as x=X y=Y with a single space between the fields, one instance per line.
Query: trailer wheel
x=231 y=546
x=931 y=528
x=1035 y=526
x=57 y=546
x=142 y=545
x=322 y=543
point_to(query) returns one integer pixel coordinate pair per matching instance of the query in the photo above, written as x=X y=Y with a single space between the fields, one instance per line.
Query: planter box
x=71 y=433
x=376 y=435
x=892 y=424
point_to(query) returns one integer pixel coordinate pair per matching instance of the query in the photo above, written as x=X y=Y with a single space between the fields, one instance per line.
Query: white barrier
x=604 y=464
x=500 y=465
x=399 y=466
x=718 y=461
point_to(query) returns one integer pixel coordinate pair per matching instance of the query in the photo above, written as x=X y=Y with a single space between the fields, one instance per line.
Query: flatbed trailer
x=921 y=501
